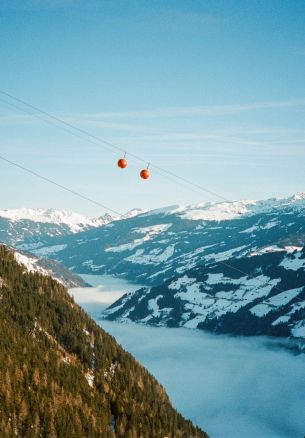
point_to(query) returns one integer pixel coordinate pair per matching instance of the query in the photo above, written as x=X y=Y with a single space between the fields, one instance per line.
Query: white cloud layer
x=105 y=290
x=231 y=387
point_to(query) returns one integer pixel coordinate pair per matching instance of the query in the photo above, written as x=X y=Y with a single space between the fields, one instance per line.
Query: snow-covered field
x=231 y=387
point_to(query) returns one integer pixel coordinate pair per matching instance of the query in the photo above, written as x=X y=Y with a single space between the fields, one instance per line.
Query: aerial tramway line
x=122 y=163
x=83 y=134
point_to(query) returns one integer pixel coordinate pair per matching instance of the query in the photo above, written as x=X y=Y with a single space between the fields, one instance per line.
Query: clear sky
x=213 y=90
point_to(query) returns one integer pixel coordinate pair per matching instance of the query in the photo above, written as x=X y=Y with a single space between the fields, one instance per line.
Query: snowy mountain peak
x=132 y=213
x=74 y=221
x=228 y=210
x=105 y=219
x=201 y=211
x=210 y=211
x=298 y=197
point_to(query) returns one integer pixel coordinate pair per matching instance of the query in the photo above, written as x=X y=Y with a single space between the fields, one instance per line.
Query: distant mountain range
x=36 y=226
x=232 y=267
x=29 y=228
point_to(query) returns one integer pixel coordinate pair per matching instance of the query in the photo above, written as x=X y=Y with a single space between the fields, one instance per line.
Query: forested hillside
x=63 y=376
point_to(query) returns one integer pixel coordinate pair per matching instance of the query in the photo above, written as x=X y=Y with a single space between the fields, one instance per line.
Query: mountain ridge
x=74 y=221
x=235 y=244
x=29 y=228
x=268 y=299
x=238 y=207
x=48 y=267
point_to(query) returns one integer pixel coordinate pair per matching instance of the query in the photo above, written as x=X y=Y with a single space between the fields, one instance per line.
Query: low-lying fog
x=231 y=387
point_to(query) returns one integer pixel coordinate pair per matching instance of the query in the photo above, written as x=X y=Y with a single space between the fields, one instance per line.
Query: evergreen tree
x=49 y=351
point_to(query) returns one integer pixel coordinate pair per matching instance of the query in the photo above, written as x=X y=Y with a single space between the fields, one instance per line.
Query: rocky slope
x=49 y=267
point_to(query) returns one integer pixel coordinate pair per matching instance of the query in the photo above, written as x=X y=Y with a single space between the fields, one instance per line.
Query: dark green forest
x=61 y=375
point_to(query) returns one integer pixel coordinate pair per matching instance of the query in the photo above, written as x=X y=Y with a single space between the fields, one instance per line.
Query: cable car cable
x=77 y=135
x=121 y=150
x=248 y=275
x=86 y=198
x=61 y=186
x=111 y=145
x=52 y=123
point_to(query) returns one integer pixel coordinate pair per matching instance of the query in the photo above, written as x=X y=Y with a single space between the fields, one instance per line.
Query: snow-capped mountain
x=31 y=228
x=132 y=213
x=228 y=267
x=74 y=221
x=261 y=293
x=248 y=278
x=157 y=245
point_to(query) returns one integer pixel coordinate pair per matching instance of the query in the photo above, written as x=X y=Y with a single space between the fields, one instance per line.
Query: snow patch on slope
x=237 y=252
x=152 y=230
x=298 y=330
x=293 y=262
x=154 y=257
x=30 y=263
x=275 y=302
x=149 y=233
x=48 y=250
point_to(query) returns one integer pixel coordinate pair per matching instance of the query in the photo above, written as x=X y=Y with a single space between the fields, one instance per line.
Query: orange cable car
x=145 y=174
x=122 y=163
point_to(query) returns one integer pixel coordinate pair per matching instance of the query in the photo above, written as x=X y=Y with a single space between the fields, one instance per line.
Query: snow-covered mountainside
x=48 y=267
x=229 y=267
x=75 y=221
x=31 y=228
x=157 y=245
x=261 y=293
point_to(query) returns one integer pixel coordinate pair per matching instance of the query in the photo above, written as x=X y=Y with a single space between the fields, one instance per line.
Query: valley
x=152 y=219
x=231 y=267
x=210 y=378
x=210 y=298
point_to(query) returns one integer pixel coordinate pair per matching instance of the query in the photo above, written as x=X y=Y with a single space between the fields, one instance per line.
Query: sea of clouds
x=231 y=387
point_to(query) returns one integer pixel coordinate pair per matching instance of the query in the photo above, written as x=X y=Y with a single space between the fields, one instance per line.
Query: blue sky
x=211 y=90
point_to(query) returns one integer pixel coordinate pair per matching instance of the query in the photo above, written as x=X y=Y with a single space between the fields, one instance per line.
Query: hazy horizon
x=203 y=204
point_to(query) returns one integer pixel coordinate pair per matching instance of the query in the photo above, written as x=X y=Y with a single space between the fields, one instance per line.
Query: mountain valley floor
x=233 y=387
